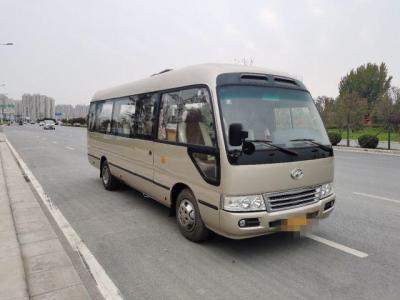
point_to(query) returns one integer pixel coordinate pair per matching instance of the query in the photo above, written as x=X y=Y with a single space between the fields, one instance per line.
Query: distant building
x=81 y=111
x=64 y=111
x=31 y=107
x=9 y=108
x=36 y=107
x=67 y=111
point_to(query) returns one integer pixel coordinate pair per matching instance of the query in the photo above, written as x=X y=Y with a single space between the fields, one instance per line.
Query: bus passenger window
x=168 y=120
x=186 y=117
x=196 y=123
x=144 y=115
x=103 y=116
x=92 y=117
x=124 y=112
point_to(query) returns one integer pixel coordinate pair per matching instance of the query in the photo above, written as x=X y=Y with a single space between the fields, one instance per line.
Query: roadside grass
x=379 y=131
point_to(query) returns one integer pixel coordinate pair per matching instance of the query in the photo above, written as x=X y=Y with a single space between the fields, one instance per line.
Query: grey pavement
x=142 y=251
x=33 y=262
x=13 y=283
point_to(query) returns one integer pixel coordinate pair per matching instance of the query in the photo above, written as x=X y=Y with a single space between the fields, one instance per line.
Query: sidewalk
x=382 y=144
x=33 y=262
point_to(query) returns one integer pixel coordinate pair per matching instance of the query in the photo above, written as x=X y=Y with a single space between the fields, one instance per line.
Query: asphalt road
x=143 y=252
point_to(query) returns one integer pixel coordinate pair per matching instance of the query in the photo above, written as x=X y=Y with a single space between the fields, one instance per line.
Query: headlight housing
x=243 y=203
x=325 y=190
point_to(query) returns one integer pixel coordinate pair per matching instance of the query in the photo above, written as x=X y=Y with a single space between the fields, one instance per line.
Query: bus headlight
x=243 y=203
x=325 y=190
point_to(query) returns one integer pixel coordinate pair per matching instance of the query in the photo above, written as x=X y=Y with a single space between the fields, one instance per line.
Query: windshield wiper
x=323 y=147
x=269 y=143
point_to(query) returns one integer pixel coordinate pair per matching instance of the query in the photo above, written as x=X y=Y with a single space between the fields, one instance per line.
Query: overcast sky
x=69 y=49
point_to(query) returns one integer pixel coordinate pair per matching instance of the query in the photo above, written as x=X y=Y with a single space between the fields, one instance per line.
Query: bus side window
x=144 y=115
x=123 y=115
x=169 y=116
x=92 y=116
x=196 y=120
x=103 y=116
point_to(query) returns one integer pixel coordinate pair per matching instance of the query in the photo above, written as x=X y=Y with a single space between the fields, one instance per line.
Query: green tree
x=370 y=81
x=351 y=109
x=326 y=108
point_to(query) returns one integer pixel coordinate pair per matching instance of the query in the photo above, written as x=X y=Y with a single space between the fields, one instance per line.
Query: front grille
x=292 y=198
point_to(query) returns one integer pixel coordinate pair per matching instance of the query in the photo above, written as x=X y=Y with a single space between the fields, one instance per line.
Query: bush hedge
x=368 y=141
x=335 y=138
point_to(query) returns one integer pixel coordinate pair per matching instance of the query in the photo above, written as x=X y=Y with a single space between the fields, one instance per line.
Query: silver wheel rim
x=105 y=175
x=186 y=215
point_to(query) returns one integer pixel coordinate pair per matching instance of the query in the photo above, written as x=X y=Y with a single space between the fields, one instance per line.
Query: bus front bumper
x=261 y=223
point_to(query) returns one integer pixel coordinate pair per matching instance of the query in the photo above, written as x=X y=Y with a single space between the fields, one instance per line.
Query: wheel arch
x=175 y=190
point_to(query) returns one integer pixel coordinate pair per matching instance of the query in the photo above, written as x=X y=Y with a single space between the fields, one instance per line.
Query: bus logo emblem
x=297 y=174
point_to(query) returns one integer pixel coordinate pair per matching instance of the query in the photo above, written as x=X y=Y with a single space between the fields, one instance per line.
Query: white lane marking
x=336 y=245
x=69 y=148
x=105 y=285
x=377 y=197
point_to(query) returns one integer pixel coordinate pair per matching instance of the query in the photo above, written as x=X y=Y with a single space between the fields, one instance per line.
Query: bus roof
x=196 y=74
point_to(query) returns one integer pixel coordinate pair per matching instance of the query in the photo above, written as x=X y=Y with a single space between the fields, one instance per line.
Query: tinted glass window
x=207 y=165
x=103 y=116
x=169 y=117
x=123 y=116
x=92 y=116
x=144 y=114
x=186 y=117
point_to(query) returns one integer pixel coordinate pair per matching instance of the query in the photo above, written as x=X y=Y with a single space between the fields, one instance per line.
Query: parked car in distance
x=33 y=122
x=41 y=123
x=76 y=124
x=49 y=124
x=21 y=123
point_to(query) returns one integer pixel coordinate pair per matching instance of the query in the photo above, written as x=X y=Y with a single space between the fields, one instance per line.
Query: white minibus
x=237 y=150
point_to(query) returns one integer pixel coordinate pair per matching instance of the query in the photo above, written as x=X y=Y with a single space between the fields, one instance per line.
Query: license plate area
x=295 y=223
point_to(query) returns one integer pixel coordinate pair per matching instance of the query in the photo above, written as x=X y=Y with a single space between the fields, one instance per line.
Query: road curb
x=368 y=151
x=106 y=287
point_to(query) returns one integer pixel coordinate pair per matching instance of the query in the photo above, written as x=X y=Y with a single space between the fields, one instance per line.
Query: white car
x=41 y=123
x=49 y=125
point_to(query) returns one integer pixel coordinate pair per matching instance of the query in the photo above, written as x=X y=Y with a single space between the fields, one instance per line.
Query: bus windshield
x=278 y=115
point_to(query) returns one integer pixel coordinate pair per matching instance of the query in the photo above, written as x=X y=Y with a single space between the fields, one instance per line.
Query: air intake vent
x=285 y=81
x=254 y=77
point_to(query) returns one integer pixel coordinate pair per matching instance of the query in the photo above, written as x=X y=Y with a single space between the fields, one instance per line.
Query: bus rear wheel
x=109 y=181
x=188 y=217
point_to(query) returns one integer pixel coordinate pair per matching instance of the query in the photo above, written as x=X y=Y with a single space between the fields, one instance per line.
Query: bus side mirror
x=236 y=134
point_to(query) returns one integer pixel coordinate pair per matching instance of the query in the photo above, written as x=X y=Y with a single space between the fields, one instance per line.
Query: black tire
x=188 y=217
x=109 y=181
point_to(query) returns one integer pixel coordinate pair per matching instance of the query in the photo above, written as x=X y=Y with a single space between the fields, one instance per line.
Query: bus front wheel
x=109 y=181
x=188 y=217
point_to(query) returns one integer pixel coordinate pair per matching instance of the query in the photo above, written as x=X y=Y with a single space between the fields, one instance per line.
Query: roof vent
x=285 y=81
x=254 y=77
x=163 y=71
